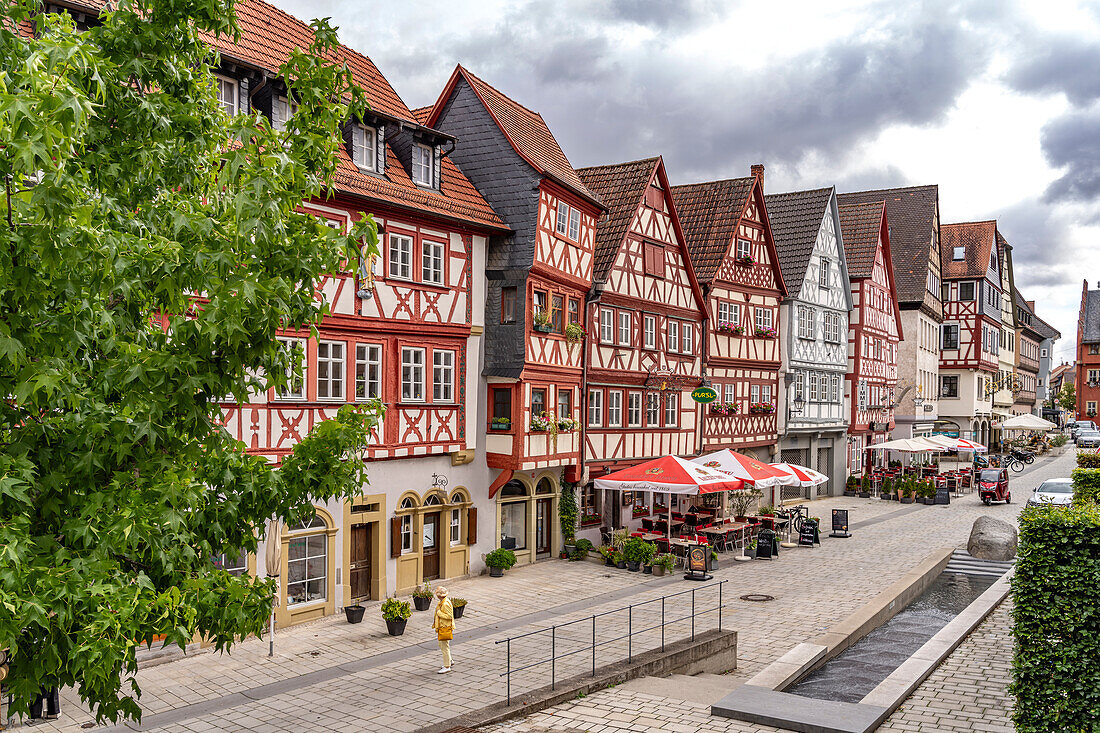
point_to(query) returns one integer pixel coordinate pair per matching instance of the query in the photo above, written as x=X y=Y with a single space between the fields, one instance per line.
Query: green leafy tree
x=1067 y=397
x=150 y=248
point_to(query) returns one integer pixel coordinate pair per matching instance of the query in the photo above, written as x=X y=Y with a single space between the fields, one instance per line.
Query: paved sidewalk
x=332 y=675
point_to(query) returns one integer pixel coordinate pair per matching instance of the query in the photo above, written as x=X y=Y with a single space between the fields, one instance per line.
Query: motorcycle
x=1023 y=455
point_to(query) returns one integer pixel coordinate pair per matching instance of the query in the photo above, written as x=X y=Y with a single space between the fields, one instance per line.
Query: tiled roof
x=1038 y=325
x=268 y=35
x=796 y=219
x=977 y=237
x=709 y=213
x=860 y=226
x=528 y=134
x=422 y=114
x=1091 y=333
x=911 y=211
x=621 y=187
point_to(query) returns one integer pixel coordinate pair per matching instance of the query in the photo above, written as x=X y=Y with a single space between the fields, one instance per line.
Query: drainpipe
x=592 y=297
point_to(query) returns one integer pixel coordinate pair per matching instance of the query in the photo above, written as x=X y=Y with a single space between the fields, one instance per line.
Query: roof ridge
x=651 y=160
x=968 y=223
x=894 y=188
x=797 y=193
x=484 y=83
x=713 y=183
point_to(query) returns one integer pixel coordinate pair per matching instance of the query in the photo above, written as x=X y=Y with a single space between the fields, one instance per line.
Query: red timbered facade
x=538 y=279
x=970 y=338
x=874 y=329
x=645 y=341
x=734 y=256
x=1087 y=368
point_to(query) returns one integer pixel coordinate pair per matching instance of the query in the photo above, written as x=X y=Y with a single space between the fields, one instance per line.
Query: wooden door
x=359 y=569
x=542 y=526
x=431 y=546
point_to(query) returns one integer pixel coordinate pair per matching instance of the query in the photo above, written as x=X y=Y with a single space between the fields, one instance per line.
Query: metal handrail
x=593 y=645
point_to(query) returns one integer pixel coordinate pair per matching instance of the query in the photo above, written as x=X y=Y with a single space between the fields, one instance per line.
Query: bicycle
x=1014 y=463
x=796 y=516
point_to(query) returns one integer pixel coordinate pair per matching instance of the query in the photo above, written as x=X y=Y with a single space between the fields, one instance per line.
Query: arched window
x=544 y=487
x=513 y=488
x=307 y=562
x=433 y=500
x=315 y=523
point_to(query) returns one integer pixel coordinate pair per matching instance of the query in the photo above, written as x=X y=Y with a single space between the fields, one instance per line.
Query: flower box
x=641 y=512
x=765 y=333
x=724 y=408
x=729 y=328
x=575 y=333
x=568 y=425
x=744 y=261
x=761 y=409
x=500 y=423
x=590 y=519
x=544 y=327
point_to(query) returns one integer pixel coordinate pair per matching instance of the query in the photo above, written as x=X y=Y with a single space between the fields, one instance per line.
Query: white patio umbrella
x=273 y=561
x=906 y=445
x=1027 y=422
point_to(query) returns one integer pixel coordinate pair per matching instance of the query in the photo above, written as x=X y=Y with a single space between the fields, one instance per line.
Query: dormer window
x=282 y=109
x=423 y=168
x=958 y=254
x=228 y=94
x=364 y=141
x=569 y=221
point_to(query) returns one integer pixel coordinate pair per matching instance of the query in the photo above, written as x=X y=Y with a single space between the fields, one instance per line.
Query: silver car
x=1053 y=491
x=1088 y=439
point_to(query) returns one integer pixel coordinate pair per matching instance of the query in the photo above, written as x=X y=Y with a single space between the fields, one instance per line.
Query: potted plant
x=607 y=552
x=575 y=333
x=745 y=260
x=354 y=612
x=765 y=333
x=498 y=561
x=887 y=488
x=459 y=605
x=767 y=514
x=567 y=514
x=541 y=423
x=906 y=494
x=543 y=324
x=663 y=564
x=567 y=424
x=396 y=614
x=865 y=487
x=633 y=553
x=500 y=423
x=649 y=552
x=422 y=597
x=738 y=330
x=743 y=500
x=929 y=493
x=851 y=486
x=713 y=564
x=620 y=561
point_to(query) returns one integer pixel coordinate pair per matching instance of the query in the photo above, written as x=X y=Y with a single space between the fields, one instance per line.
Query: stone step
x=705 y=689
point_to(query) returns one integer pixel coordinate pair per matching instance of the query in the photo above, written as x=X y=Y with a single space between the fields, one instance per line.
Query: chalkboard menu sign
x=943 y=494
x=840 y=523
x=807 y=535
x=766 y=546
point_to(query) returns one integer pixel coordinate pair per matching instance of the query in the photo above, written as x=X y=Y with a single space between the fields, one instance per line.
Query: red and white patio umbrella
x=805 y=476
x=669 y=475
x=750 y=470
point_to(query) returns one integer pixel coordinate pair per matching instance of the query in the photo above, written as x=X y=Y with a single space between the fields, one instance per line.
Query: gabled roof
x=978 y=238
x=709 y=213
x=1037 y=325
x=796 y=219
x=525 y=129
x=421 y=114
x=1091 y=306
x=621 y=187
x=861 y=225
x=911 y=211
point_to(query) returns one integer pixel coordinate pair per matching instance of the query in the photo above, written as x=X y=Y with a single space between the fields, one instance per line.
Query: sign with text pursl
x=704 y=395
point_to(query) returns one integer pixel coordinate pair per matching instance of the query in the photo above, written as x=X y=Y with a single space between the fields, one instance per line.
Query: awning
x=1027 y=422
x=669 y=475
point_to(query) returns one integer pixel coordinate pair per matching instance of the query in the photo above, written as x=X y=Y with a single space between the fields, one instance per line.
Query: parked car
x=1079 y=425
x=1053 y=491
x=1088 y=439
x=993 y=486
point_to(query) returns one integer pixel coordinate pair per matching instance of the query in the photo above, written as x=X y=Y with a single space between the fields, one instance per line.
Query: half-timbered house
x=537 y=280
x=1008 y=384
x=970 y=340
x=874 y=330
x=813 y=423
x=644 y=352
x=733 y=254
x=1085 y=374
x=1029 y=336
x=913 y=212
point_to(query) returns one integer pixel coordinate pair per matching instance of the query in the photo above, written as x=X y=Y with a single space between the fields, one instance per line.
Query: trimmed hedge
x=1056 y=592
x=1086 y=485
x=1088 y=460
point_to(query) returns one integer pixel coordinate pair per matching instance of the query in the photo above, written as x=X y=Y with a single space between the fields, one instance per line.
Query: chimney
x=1030 y=304
x=758 y=172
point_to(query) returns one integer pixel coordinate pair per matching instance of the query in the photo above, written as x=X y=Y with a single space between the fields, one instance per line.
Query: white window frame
x=432 y=257
x=824 y=273
x=406 y=534
x=634 y=409
x=412 y=374
x=232 y=563
x=423 y=165
x=289 y=109
x=400 y=256
x=958 y=254
x=561 y=224
x=743 y=248
x=672 y=410
x=456 y=527
x=364 y=147
x=673 y=336
x=331 y=367
x=653 y=410
x=807 y=322
x=615 y=409
x=731 y=393
x=762 y=317
x=368 y=372
x=595 y=408
x=766 y=394
x=649 y=331
x=754 y=394
x=574 y=223
x=607 y=326
x=443 y=375
x=687 y=338
x=225 y=82
x=625 y=329
x=812 y=395
x=834 y=391
x=305 y=536
x=300 y=394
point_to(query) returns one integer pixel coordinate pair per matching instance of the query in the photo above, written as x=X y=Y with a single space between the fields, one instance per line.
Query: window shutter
x=395 y=536
x=471 y=526
x=437 y=167
x=243 y=105
x=349 y=139
x=278 y=113
x=380 y=154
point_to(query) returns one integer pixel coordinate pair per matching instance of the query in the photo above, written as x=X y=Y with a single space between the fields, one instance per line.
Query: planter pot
x=865 y=495
x=633 y=565
x=570 y=549
x=459 y=610
x=543 y=329
x=929 y=501
x=850 y=493
x=884 y=497
x=500 y=427
x=422 y=604
x=907 y=500
x=659 y=570
x=609 y=562
x=647 y=570
x=354 y=613
x=712 y=564
x=396 y=628
x=621 y=565
x=496 y=572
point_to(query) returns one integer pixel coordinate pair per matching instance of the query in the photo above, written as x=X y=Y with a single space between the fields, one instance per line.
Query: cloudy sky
x=996 y=101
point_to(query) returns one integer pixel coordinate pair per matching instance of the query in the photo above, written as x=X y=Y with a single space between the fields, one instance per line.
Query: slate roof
x=525 y=130
x=268 y=35
x=978 y=237
x=1091 y=332
x=621 y=187
x=860 y=226
x=1038 y=325
x=911 y=211
x=796 y=219
x=708 y=214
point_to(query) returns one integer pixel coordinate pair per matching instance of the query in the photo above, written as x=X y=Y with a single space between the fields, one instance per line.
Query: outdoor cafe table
x=737 y=528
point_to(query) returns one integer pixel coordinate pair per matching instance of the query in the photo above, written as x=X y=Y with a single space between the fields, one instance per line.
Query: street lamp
x=797 y=405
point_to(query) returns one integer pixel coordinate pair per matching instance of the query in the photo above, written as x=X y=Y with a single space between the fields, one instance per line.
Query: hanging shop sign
x=704 y=395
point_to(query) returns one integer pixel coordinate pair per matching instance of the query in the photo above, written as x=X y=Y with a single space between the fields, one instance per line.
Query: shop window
x=307 y=563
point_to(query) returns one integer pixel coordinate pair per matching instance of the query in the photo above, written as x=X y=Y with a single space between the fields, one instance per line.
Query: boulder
x=992 y=539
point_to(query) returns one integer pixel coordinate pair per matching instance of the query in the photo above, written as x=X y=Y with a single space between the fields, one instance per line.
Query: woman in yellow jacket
x=444 y=625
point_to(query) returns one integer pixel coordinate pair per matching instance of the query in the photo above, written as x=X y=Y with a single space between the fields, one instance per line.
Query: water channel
x=859 y=669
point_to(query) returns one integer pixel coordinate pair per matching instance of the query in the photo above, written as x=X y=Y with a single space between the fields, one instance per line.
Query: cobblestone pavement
x=332 y=675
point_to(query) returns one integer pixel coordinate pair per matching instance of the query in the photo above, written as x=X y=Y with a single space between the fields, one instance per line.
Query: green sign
x=703 y=395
